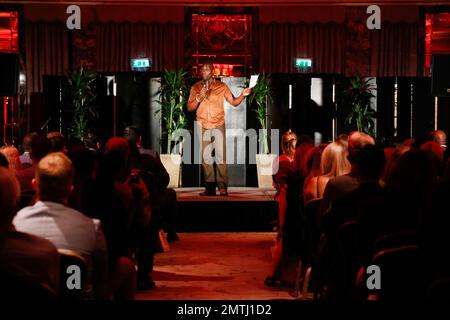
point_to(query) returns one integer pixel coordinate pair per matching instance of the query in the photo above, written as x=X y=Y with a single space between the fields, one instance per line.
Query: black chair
x=312 y=236
x=312 y=229
x=400 y=273
x=67 y=260
x=346 y=237
x=22 y=287
x=395 y=240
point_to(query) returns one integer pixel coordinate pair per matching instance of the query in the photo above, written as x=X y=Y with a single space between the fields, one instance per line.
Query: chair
x=400 y=268
x=69 y=258
x=20 y=287
x=312 y=238
x=346 y=237
x=395 y=240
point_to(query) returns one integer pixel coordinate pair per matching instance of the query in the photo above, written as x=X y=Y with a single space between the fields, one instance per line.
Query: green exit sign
x=139 y=64
x=303 y=63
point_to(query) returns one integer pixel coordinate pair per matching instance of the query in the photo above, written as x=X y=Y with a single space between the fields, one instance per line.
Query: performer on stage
x=207 y=97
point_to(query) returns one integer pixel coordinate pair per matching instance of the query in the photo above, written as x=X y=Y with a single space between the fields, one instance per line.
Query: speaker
x=9 y=75
x=441 y=76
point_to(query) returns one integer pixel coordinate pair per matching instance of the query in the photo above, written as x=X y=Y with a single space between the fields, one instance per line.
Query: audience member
x=66 y=228
x=40 y=146
x=333 y=164
x=25 y=158
x=29 y=265
x=13 y=157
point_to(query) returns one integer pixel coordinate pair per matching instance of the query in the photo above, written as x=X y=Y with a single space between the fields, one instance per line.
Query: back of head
x=26 y=143
x=13 y=157
x=334 y=160
x=54 y=177
x=57 y=142
x=118 y=144
x=415 y=173
x=9 y=197
x=40 y=147
x=439 y=137
x=357 y=141
x=288 y=143
x=371 y=162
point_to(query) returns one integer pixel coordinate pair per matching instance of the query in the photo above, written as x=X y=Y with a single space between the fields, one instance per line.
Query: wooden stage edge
x=235 y=194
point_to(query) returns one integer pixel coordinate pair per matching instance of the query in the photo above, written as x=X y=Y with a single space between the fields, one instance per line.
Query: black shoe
x=145 y=283
x=172 y=237
x=208 y=193
x=271 y=282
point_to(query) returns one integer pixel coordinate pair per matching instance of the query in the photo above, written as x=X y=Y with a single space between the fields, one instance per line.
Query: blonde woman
x=334 y=163
x=13 y=156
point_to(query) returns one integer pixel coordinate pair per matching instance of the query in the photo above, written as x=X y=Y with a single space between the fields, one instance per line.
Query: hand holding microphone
x=203 y=93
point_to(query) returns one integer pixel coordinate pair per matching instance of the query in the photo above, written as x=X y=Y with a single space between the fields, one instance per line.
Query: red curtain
x=117 y=43
x=280 y=44
x=47 y=52
x=394 y=50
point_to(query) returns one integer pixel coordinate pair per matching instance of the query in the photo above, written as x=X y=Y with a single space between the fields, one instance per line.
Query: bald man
x=439 y=137
x=68 y=229
x=24 y=258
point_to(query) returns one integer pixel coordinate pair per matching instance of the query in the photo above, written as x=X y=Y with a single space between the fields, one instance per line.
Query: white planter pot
x=172 y=163
x=265 y=170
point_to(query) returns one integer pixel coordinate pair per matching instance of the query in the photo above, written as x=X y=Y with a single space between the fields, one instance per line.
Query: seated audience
x=28 y=264
x=57 y=142
x=66 y=228
x=123 y=205
x=148 y=163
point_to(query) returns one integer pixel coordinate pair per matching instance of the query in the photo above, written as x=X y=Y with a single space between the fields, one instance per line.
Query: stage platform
x=243 y=210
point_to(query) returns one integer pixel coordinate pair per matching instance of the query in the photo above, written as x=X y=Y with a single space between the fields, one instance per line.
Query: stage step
x=244 y=210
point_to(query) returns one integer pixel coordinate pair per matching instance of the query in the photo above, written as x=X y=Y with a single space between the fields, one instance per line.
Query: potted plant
x=358 y=97
x=172 y=98
x=258 y=99
x=83 y=97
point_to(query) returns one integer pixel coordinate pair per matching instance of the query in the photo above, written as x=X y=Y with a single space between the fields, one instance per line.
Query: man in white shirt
x=26 y=261
x=65 y=227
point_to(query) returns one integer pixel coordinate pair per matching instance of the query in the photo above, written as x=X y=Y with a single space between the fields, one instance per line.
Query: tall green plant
x=83 y=97
x=258 y=99
x=173 y=96
x=358 y=95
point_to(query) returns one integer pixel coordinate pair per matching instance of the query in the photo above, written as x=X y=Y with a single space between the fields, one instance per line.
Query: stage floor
x=243 y=210
x=234 y=194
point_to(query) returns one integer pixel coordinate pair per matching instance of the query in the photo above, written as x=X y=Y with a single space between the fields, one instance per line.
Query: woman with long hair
x=334 y=163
